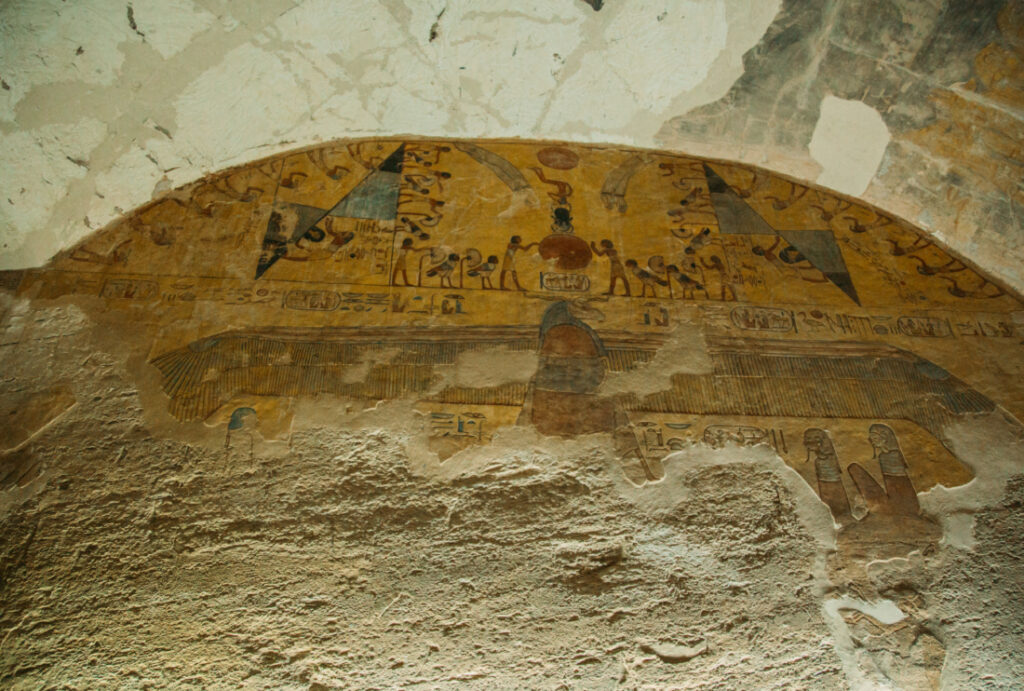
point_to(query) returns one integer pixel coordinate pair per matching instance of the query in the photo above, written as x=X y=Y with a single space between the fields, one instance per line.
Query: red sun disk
x=570 y=251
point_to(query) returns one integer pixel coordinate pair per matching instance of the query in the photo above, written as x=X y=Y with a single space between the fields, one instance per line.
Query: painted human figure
x=508 y=264
x=483 y=270
x=368 y=154
x=985 y=290
x=607 y=249
x=562 y=190
x=239 y=442
x=699 y=241
x=686 y=283
x=117 y=255
x=796 y=193
x=402 y=259
x=444 y=269
x=647 y=279
x=718 y=266
x=769 y=252
x=899 y=496
x=919 y=243
x=421 y=182
x=426 y=155
x=887 y=523
x=830 y=475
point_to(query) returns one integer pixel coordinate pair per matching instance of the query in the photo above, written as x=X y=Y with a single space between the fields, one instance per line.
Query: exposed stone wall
x=915 y=106
x=337 y=563
x=352 y=559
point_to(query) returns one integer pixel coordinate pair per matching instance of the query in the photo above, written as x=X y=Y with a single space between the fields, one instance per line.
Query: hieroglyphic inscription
x=577 y=283
x=817 y=321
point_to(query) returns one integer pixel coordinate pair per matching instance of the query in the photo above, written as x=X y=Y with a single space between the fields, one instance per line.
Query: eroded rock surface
x=141 y=562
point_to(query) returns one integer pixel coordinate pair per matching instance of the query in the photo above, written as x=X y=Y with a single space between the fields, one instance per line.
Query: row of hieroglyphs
x=807 y=321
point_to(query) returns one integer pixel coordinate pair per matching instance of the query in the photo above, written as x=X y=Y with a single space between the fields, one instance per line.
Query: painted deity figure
x=891 y=526
x=618 y=273
x=239 y=442
x=508 y=264
x=830 y=476
x=899 y=496
x=402 y=260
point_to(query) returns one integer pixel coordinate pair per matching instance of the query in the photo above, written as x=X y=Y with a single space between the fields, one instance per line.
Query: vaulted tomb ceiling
x=664 y=301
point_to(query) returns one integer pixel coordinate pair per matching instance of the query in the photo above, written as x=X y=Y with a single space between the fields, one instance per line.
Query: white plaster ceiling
x=105 y=104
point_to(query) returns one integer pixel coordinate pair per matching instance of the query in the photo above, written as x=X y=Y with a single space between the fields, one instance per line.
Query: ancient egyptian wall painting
x=752 y=309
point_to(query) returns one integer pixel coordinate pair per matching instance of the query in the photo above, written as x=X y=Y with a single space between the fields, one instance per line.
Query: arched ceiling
x=913 y=106
x=541 y=405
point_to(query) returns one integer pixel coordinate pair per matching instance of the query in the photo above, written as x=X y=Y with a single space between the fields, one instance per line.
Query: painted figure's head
x=819 y=443
x=882 y=438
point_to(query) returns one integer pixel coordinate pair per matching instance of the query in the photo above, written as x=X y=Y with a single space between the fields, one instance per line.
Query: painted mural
x=752 y=309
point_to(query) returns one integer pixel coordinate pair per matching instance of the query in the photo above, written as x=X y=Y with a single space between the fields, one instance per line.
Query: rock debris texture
x=335 y=563
x=342 y=561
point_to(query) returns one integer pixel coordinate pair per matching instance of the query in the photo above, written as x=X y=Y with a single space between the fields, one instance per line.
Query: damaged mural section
x=687 y=367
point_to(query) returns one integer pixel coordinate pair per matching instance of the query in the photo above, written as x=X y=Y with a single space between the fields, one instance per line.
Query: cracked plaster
x=198 y=86
x=849 y=142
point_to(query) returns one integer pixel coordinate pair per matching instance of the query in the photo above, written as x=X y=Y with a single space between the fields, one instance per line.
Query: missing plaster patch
x=685 y=352
x=849 y=650
x=992 y=446
x=360 y=370
x=885 y=611
x=489 y=367
x=849 y=141
x=958 y=531
x=699 y=459
x=482 y=368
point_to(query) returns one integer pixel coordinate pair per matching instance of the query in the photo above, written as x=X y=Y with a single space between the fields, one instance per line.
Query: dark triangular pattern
x=394 y=162
x=735 y=216
x=309 y=216
x=269 y=257
x=820 y=248
x=716 y=185
x=375 y=197
x=277 y=238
